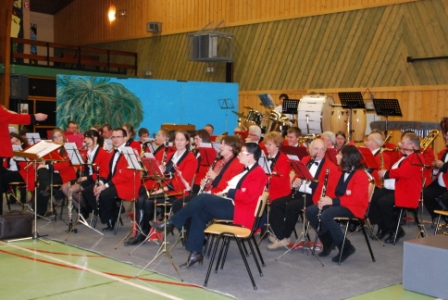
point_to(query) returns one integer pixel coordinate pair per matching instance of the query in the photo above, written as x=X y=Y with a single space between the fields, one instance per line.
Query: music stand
x=33 y=137
x=303 y=173
x=266 y=100
x=290 y=106
x=387 y=107
x=300 y=151
x=351 y=100
x=36 y=153
x=226 y=104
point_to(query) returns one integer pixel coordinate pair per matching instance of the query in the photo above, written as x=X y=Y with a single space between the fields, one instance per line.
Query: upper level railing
x=73 y=57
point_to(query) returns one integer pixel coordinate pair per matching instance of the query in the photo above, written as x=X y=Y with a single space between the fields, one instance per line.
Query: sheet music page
x=205 y=145
x=43 y=148
x=18 y=148
x=132 y=160
x=33 y=137
x=293 y=157
x=73 y=154
x=108 y=144
x=151 y=157
x=217 y=146
x=263 y=162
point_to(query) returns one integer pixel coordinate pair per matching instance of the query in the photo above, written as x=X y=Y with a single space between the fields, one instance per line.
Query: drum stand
x=164 y=247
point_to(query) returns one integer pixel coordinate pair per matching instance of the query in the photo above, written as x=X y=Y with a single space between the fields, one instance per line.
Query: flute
x=218 y=157
x=324 y=191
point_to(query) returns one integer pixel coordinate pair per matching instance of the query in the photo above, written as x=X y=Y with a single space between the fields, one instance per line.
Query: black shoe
x=380 y=234
x=346 y=252
x=194 y=257
x=134 y=240
x=390 y=238
x=110 y=226
x=327 y=243
x=160 y=226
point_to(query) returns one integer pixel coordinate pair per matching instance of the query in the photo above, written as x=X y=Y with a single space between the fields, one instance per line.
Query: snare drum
x=253 y=118
x=314 y=113
x=359 y=121
x=338 y=119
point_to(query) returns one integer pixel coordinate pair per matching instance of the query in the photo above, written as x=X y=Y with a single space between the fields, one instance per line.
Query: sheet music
x=73 y=154
x=33 y=137
x=216 y=145
x=42 y=148
x=18 y=148
x=151 y=144
x=153 y=160
x=293 y=157
x=263 y=162
x=131 y=158
x=108 y=144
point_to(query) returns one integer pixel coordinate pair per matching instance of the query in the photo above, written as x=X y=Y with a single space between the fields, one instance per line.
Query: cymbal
x=239 y=114
x=247 y=107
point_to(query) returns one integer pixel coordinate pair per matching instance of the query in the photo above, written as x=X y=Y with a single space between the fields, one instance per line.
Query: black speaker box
x=19 y=87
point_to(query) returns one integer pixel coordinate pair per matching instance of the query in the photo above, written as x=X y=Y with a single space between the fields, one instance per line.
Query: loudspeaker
x=229 y=71
x=19 y=87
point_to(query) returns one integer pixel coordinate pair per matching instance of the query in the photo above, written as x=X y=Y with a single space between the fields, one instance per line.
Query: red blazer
x=101 y=159
x=7 y=118
x=135 y=145
x=246 y=196
x=65 y=168
x=230 y=170
x=280 y=184
x=356 y=194
x=123 y=179
x=408 y=181
x=28 y=175
x=333 y=178
x=441 y=157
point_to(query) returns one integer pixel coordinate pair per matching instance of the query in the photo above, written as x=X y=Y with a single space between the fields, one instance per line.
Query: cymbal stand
x=164 y=246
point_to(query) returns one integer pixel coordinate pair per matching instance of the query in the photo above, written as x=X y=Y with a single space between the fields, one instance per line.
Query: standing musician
x=433 y=194
x=61 y=171
x=374 y=141
x=97 y=161
x=181 y=167
x=201 y=136
x=402 y=186
x=351 y=200
x=285 y=211
x=14 y=171
x=237 y=202
x=119 y=183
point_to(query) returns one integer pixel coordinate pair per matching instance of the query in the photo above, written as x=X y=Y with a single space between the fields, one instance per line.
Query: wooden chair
x=240 y=235
x=362 y=222
x=440 y=213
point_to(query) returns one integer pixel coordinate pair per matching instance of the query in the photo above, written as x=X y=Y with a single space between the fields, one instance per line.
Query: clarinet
x=308 y=166
x=218 y=157
x=324 y=192
x=70 y=207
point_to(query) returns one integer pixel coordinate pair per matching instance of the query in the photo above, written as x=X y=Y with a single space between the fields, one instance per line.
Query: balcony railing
x=74 y=57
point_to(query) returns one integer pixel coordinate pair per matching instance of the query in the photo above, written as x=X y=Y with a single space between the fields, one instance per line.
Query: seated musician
x=106 y=131
x=237 y=202
x=254 y=136
x=72 y=127
x=162 y=150
x=341 y=139
x=402 y=187
x=209 y=128
x=293 y=137
x=14 y=171
x=97 y=163
x=130 y=132
x=53 y=172
x=285 y=211
x=201 y=136
x=119 y=183
x=241 y=131
x=181 y=167
x=350 y=200
x=434 y=195
x=374 y=141
x=329 y=139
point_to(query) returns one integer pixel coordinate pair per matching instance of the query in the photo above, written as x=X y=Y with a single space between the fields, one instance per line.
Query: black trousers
x=382 y=209
x=285 y=212
x=6 y=177
x=107 y=202
x=430 y=193
x=44 y=177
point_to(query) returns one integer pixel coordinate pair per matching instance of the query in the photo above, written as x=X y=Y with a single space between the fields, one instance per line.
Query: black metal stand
x=350 y=101
x=387 y=107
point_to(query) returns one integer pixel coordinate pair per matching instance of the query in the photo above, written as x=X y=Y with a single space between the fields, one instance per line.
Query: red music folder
x=300 y=151
x=301 y=170
x=368 y=159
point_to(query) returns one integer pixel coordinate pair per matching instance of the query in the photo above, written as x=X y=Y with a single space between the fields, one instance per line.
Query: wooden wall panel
x=85 y=21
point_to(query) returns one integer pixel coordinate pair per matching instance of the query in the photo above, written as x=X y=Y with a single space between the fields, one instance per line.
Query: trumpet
x=424 y=144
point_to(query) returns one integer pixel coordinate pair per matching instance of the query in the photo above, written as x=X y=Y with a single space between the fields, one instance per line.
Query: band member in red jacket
x=237 y=202
x=95 y=169
x=7 y=117
x=435 y=194
x=119 y=183
x=350 y=200
x=285 y=211
x=402 y=187
x=56 y=172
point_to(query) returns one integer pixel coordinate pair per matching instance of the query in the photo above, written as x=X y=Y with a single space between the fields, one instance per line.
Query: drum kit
x=315 y=114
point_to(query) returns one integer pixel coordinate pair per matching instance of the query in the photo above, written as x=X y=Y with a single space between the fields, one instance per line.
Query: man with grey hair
x=329 y=139
x=374 y=141
x=254 y=134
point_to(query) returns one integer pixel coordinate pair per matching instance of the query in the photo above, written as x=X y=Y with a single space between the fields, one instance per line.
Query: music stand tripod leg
x=268 y=226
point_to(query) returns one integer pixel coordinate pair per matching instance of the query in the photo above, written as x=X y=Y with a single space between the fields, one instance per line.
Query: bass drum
x=359 y=120
x=338 y=119
x=253 y=118
x=314 y=113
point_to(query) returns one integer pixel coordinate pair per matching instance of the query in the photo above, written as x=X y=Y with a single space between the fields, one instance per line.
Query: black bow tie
x=404 y=155
x=271 y=159
x=246 y=168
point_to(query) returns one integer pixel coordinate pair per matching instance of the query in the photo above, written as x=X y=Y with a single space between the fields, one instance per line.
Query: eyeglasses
x=116 y=137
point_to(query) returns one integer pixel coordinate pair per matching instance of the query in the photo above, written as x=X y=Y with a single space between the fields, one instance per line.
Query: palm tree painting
x=96 y=100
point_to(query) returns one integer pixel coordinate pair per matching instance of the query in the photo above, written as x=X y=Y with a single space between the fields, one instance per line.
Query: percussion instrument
x=314 y=113
x=276 y=122
x=359 y=121
x=338 y=119
x=253 y=118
